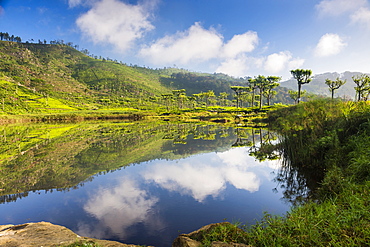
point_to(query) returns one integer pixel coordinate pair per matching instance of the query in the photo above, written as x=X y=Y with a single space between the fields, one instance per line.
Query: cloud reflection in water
x=206 y=175
x=119 y=208
x=200 y=176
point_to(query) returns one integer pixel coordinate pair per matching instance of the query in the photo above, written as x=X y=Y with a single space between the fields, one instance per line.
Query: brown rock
x=184 y=241
x=190 y=240
x=45 y=234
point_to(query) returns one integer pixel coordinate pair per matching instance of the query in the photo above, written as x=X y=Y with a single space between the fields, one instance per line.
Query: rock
x=184 y=241
x=190 y=240
x=45 y=234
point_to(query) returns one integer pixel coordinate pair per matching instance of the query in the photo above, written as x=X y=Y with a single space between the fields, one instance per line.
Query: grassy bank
x=247 y=116
x=326 y=167
x=75 y=116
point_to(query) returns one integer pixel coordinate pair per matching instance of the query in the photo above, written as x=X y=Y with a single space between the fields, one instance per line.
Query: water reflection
x=117 y=209
x=74 y=153
x=140 y=183
x=205 y=176
x=133 y=203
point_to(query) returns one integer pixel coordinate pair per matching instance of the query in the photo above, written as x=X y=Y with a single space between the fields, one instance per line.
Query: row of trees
x=362 y=84
x=257 y=88
x=204 y=99
x=262 y=87
x=8 y=37
x=253 y=93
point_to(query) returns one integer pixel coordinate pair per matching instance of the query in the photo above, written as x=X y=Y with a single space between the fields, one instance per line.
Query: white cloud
x=235 y=67
x=278 y=62
x=329 y=44
x=295 y=63
x=198 y=44
x=194 y=45
x=361 y=16
x=114 y=22
x=273 y=64
x=338 y=7
x=240 y=44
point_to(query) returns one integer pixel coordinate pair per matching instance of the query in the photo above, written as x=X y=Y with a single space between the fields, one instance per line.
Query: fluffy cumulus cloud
x=115 y=22
x=234 y=66
x=240 y=44
x=235 y=61
x=195 y=44
x=338 y=7
x=198 y=44
x=329 y=44
x=284 y=60
x=361 y=16
x=274 y=63
x=124 y=26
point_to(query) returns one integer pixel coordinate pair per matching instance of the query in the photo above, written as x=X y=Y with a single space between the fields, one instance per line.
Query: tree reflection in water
x=152 y=171
x=300 y=172
x=101 y=148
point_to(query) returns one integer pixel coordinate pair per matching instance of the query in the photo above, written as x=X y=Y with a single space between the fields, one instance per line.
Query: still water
x=139 y=183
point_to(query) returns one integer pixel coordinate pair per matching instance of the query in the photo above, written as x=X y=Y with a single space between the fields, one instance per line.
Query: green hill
x=62 y=73
x=39 y=78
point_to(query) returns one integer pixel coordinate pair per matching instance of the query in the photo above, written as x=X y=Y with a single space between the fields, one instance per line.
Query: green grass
x=340 y=221
x=328 y=141
x=19 y=100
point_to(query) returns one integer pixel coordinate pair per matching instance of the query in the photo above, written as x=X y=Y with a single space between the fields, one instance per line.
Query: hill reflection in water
x=176 y=178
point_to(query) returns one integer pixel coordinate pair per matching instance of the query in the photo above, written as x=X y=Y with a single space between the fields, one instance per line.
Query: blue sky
x=236 y=37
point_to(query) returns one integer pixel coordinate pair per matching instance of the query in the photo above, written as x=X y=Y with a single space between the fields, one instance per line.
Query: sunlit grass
x=331 y=137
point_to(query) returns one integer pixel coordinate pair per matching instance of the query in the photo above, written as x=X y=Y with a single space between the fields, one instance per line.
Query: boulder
x=193 y=239
x=45 y=234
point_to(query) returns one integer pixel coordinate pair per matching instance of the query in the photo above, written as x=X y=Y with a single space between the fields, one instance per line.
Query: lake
x=136 y=182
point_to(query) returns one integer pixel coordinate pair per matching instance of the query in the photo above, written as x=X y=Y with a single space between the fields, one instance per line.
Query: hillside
x=36 y=78
x=318 y=86
x=60 y=72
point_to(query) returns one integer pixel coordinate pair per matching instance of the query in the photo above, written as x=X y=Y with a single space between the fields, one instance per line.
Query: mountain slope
x=61 y=72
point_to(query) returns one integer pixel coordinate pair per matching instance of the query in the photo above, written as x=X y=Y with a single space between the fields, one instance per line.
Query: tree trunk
x=260 y=98
x=299 y=92
x=253 y=98
x=359 y=95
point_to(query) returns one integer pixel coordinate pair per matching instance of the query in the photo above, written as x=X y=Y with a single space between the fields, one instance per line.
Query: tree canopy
x=303 y=76
x=334 y=85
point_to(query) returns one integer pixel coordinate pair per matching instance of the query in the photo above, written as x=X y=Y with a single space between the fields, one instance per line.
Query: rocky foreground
x=46 y=234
